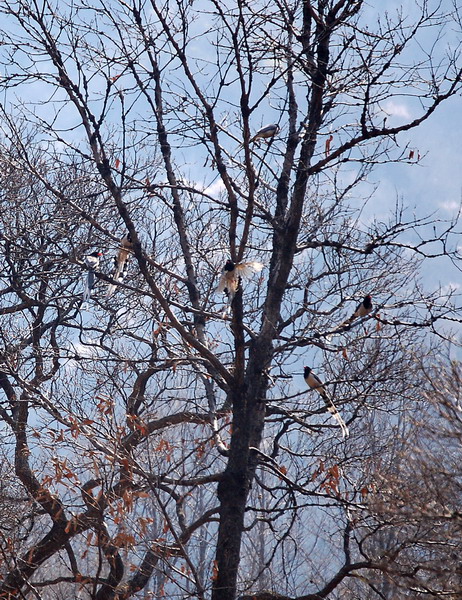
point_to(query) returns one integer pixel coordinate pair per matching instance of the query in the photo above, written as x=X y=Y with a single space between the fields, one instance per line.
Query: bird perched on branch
x=91 y=261
x=362 y=310
x=266 y=132
x=120 y=263
x=232 y=274
x=315 y=383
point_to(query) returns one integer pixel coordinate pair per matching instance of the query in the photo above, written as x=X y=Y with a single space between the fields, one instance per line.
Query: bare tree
x=413 y=518
x=164 y=432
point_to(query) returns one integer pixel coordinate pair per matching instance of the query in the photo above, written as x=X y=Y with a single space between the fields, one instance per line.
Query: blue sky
x=434 y=184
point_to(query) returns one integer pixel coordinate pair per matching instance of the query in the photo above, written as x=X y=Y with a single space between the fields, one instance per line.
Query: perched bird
x=232 y=274
x=362 y=310
x=266 y=132
x=120 y=263
x=92 y=263
x=315 y=383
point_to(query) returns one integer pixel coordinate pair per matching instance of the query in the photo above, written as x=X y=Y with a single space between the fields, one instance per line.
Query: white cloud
x=88 y=349
x=450 y=288
x=215 y=188
x=392 y=108
x=451 y=206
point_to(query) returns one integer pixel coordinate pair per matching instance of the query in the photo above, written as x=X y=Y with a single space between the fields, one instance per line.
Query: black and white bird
x=232 y=273
x=120 y=263
x=91 y=261
x=266 y=132
x=315 y=383
x=362 y=310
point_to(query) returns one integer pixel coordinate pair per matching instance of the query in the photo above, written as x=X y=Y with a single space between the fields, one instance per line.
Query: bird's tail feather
x=340 y=327
x=349 y=321
x=118 y=276
x=88 y=286
x=110 y=290
x=334 y=412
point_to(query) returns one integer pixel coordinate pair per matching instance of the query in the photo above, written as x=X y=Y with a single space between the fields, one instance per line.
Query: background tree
x=161 y=435
x=413 y=520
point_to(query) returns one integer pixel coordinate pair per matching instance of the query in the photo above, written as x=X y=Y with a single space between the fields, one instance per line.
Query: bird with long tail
x=315 y=383
x=120 y=263
x=265 y=133
x=362 y=310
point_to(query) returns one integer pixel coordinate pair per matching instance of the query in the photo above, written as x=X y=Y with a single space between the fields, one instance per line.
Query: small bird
x=266 y=132
x=232 y=274
x=92 y=263
x=362 y=310
x=120 y=263
x=315 y=383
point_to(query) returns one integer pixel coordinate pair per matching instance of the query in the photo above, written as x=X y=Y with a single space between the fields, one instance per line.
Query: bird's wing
x=222 y=283
x=264 y=131
x=362 y=311
x=315 y=382
x=92 y=262
x=229 y=283
x=247 y=269
x=268 y=129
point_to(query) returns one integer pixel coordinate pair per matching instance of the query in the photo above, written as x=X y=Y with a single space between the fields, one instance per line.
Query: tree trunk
x=233 y=489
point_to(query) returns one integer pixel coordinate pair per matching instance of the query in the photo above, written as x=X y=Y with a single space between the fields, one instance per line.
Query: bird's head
x=229 y=266
x=367 y=301
x=306 y=371
x=96 y=254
